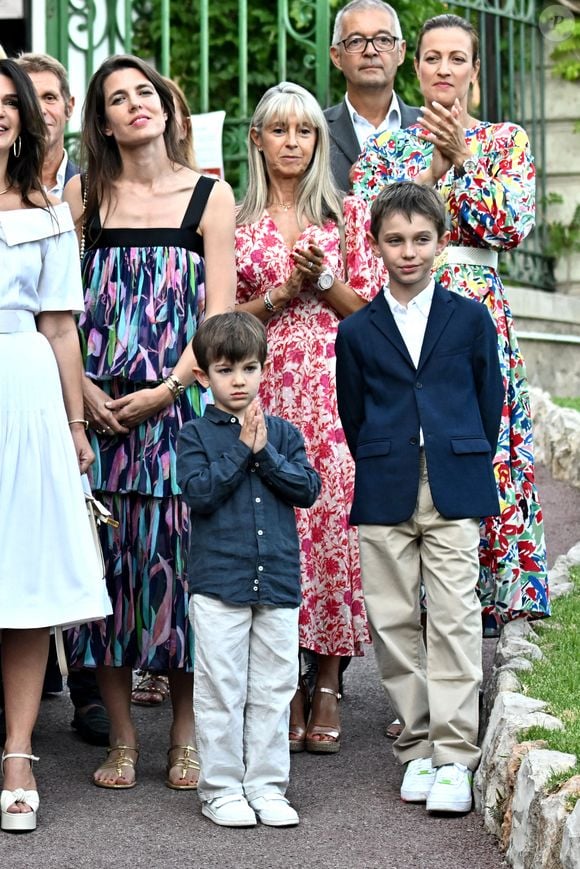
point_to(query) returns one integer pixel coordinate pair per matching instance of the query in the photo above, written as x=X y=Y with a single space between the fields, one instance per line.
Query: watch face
x=325 y=280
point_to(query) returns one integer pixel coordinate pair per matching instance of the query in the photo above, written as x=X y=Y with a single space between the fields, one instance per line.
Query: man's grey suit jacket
x=344 y=146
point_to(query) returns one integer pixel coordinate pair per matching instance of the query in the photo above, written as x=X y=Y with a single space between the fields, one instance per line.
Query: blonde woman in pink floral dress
x=486 y=177
x=291 y=257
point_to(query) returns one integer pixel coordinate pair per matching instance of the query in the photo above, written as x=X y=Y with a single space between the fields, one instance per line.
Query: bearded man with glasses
x=368 y=47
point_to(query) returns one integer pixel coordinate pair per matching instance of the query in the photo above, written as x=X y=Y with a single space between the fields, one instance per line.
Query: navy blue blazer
x=71 y=170
x=455 y=395
x=344 y=146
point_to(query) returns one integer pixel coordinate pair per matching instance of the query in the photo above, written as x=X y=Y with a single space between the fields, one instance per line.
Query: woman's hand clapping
x=309 y=261
x=448 y=137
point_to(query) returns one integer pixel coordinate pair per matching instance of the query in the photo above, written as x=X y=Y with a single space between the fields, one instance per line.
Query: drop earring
x=17 y=153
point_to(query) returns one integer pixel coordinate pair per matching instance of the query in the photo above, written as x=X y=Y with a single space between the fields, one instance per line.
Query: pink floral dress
x=300 y=386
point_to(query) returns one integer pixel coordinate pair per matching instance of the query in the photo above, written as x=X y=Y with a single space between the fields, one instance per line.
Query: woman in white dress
x=49 y=571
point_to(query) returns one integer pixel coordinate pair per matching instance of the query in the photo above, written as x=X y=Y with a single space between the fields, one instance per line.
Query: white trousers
x=246 y=673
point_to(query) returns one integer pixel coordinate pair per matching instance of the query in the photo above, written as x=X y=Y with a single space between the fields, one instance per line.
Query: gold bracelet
x=84 y=422
x=174 y=385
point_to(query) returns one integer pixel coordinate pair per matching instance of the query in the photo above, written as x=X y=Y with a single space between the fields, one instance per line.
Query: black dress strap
x=197 y=203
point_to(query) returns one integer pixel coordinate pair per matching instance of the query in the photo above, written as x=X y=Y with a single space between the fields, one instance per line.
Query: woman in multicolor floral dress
x=159 y=251
x=485 y=174
x=290 y=263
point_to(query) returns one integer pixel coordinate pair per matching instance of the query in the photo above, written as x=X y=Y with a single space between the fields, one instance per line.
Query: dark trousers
x=82 y=684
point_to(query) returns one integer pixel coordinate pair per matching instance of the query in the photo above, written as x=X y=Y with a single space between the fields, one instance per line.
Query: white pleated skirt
x=49 y=571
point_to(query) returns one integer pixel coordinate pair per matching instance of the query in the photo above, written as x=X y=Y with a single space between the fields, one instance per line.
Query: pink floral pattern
x=301 y=386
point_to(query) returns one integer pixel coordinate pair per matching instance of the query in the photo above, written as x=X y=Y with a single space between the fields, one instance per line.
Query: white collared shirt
x=59 y=186
x=364 y=128
x=411 y=322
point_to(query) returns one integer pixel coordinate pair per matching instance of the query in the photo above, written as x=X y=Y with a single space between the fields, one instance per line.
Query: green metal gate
x=82 y=32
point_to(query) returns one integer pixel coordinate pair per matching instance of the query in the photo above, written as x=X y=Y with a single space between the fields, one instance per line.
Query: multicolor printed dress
x=300 y=386
x=144 y=296
x=492 y=208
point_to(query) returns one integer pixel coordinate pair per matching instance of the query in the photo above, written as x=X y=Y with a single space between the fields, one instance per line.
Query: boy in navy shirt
x=420 y=396
x=242 y=474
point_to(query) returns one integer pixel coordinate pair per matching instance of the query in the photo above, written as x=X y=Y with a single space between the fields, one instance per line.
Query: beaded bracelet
x=268 y=303
x=84 y=422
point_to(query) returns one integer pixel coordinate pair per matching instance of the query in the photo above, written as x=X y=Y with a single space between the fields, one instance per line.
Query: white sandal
x=18 y=821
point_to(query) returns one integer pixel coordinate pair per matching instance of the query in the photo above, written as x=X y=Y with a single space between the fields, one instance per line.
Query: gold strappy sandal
x=184 y=762
x=297 y=733
x=330 y=741
x=119 y=763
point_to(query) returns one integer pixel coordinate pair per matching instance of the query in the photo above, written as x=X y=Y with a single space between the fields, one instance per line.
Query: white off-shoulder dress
x=49 y=572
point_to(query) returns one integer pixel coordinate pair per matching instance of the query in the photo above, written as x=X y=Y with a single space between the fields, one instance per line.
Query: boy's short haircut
x=408 y=199
x=234 y=337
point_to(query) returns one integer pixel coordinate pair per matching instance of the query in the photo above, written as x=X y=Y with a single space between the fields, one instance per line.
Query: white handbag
x=98 y=514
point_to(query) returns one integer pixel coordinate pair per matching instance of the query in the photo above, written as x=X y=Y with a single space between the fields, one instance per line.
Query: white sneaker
x=229 y=811
x=274 y=810
x=417 y=781
x=451 y=791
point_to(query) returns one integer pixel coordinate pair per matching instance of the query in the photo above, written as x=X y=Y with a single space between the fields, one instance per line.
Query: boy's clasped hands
x=254 y=433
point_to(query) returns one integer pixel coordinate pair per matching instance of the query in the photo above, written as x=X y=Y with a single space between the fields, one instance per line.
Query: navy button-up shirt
x=244 y=546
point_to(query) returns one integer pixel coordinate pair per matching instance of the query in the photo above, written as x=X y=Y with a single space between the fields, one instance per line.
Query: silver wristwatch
x=468 y=167
x=325 y=280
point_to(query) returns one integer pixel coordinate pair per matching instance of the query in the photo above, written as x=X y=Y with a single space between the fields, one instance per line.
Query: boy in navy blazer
x=420 y=396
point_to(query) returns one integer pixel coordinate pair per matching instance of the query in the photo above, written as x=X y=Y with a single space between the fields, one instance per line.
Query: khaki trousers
x=435 y=691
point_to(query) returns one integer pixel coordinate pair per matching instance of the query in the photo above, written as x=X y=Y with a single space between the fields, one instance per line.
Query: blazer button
x=419 y=385
x=413 y=441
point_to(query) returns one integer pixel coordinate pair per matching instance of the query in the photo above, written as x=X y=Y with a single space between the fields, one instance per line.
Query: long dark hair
x=25 y=171
x=100 y=153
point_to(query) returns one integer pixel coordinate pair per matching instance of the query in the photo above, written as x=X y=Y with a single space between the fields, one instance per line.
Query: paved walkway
x=351 y=814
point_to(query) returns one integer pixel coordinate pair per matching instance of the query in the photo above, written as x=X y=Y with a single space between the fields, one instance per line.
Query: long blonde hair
x=317 y=197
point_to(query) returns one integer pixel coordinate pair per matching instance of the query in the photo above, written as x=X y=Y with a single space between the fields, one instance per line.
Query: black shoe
x=92 y=724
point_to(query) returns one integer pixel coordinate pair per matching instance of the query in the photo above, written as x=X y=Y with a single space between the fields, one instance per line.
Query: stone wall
x=548 y=330
x=556 y=437
x=535 y=827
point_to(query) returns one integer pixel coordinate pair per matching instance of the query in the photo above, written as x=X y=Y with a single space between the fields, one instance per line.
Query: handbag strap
x=60 y=650
x=84 y=187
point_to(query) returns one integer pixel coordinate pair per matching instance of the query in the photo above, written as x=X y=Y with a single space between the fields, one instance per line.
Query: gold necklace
x=284 y=206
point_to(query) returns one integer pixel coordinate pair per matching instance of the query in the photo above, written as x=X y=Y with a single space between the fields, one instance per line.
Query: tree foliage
x=263 y=68
x=566 y=54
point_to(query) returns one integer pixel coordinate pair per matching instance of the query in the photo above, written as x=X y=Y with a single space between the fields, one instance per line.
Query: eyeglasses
x=358 y=44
